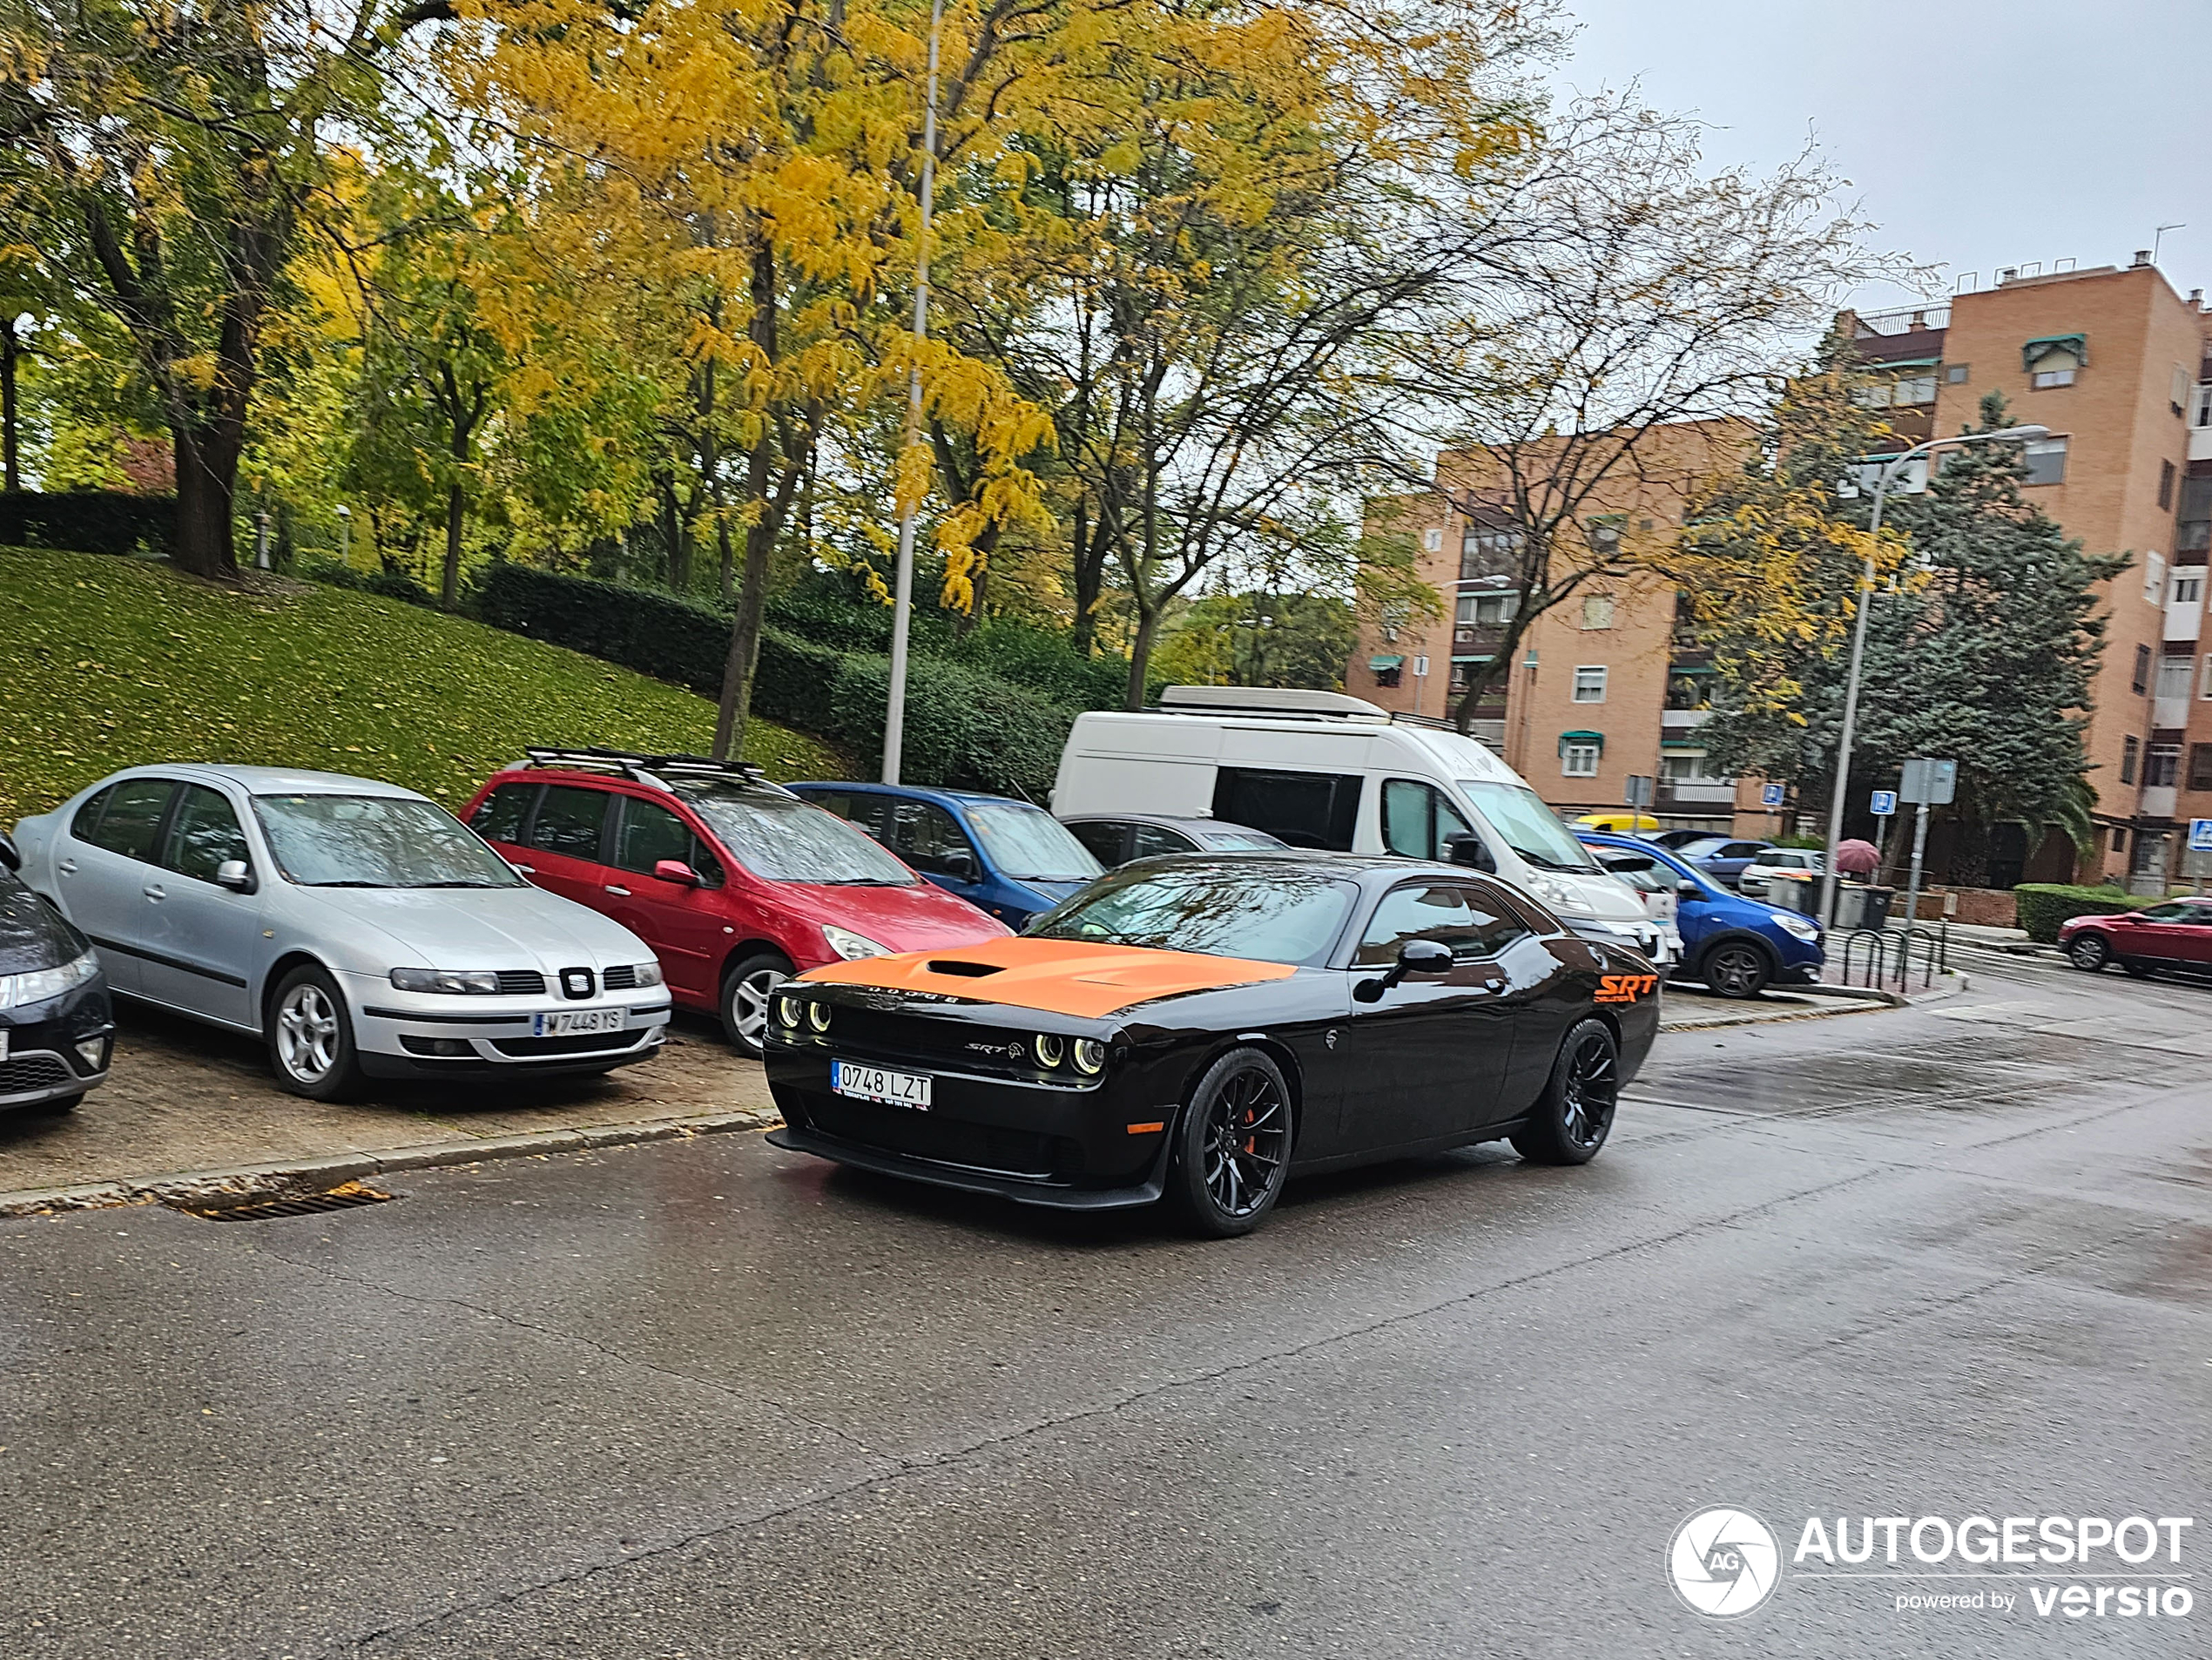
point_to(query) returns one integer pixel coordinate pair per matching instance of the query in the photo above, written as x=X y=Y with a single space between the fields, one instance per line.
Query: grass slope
x=110 y=662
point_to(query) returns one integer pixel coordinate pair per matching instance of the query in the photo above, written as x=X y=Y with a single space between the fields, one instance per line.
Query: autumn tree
x=164 y=160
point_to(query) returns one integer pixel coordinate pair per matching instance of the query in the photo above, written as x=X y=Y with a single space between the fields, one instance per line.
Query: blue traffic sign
x=2201 y=835
x=1884 y=803
x=1773 y=795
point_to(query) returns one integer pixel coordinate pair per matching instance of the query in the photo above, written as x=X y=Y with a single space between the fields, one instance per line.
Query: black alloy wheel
x=1736 y=969
x=1233 y=1145
x=1572 y=1120
x=2089 y=953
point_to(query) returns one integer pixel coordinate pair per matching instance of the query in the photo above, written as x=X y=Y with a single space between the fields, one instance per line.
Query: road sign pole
x=1920 y=850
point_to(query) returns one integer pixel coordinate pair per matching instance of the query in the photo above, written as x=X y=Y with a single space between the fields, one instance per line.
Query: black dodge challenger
x=1198 y=1029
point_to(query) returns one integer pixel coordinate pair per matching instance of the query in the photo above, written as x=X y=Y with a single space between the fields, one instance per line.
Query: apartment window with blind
x=2130 y=750
x=2201 y=766
x=2166 y=483
x=2172 y=677
x=2162 y=767
x=2142 y=681
x=1589 y=683
x=2043 y=461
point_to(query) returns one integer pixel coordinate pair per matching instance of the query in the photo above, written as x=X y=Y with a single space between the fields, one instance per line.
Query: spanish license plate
x=874 y=1083
x=577 y=1023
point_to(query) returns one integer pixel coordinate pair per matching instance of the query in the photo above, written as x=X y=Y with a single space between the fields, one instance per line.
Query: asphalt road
x=707 y=1399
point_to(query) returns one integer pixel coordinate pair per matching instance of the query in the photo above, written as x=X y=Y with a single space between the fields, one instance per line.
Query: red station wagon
x=735 y=882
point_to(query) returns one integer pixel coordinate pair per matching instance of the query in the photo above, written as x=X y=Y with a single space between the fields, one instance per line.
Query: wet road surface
x=712 y=1400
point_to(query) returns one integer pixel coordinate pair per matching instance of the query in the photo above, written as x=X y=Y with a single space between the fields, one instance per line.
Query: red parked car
x=2177 y=934
x=735 y=882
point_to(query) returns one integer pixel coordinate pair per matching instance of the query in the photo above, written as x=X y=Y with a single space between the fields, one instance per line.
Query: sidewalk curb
x=299 y=1176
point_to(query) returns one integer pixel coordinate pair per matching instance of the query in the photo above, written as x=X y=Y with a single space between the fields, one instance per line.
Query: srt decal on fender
x=1626 y=987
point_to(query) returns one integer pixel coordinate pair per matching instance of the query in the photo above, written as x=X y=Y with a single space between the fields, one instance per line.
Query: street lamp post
x=1890 y=469
x=903 y=591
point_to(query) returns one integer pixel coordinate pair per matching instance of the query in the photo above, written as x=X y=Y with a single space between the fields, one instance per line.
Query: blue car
x=1008 y=858
x=1738 y=946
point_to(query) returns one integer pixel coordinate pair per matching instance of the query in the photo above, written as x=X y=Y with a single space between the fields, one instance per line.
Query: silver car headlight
x=21 y=990
x=648 y=973
x=1799 y=927
x=851 y=946
x=448 y=982
x=1562 y=899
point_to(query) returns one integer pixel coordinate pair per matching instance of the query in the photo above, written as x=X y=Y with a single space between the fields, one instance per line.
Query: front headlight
x=1803 y=927
x=851 y=946
x=1090 y=1056
x=789 y=1010
x=648 y=973
x=21 y=990
x=1562 y=899
x=1051 y=1048
x=452 y=982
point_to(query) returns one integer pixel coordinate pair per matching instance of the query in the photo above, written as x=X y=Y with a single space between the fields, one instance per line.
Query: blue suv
x=1738 y=946
x=1007 y=857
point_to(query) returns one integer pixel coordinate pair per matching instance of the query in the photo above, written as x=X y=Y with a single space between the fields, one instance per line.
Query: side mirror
x=11 y=855
x=1415 y=957
x=674 y=870
x=1625 y=864
x=1687 y=889
x=1468 y=848
x=235 y=874
x=961 y=866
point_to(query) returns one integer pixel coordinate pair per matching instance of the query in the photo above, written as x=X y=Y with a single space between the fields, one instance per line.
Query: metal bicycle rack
x=1879 y=959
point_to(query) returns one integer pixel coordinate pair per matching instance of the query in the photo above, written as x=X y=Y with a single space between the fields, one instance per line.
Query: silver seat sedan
x=359 y=927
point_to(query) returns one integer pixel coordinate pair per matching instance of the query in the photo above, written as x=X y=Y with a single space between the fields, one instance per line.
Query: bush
x=966 y=728
x=391 y=584
x=2043 y=905
x=89 y=521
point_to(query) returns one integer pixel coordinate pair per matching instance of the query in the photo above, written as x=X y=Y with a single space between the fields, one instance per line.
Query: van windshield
x=1529 y=828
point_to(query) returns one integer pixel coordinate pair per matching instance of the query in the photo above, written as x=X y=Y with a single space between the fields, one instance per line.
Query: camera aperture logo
x=1724 y=1562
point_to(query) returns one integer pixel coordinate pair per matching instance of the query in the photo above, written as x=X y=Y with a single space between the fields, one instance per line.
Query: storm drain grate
x=338 y=1199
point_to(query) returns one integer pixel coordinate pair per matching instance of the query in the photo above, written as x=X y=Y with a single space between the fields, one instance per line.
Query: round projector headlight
x=1090 y=1056
x=818 y=1016
x=1051 y=1048
x=787 y=1011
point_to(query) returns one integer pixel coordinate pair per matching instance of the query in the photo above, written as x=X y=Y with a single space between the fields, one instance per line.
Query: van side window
x=1305 y=809
x=1416 y=821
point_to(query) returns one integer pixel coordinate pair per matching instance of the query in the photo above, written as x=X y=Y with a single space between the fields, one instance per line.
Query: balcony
x=2170 y=714
x=1674 y=723
x=2158 y=801
x=1477 y=639
x=2184 y=619
x=1695 y=798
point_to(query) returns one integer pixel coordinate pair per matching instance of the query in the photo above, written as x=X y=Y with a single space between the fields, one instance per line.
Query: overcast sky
x=1976 y=133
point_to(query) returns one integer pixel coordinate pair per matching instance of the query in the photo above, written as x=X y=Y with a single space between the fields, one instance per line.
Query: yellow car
x=1626 y=822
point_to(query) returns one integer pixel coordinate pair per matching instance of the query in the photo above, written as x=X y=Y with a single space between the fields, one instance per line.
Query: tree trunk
x=10 y=473
x=729 y=566
x=450 y=579
x=1089 y=580
x=1140 y=653
x=206 y=488
x=736 y=704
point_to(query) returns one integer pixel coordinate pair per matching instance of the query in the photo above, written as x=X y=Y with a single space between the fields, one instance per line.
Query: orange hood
x=1056 y=976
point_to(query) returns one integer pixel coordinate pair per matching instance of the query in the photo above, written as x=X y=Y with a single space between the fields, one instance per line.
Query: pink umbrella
x=1857 y=858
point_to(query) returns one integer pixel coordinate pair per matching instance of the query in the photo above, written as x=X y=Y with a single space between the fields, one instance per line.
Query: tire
x=311 y=1037
x=2136 y=968
x=1736 y=968
x=2090 y=953
x=746 y=990
x=1232 y=1146
x=1575 y=1114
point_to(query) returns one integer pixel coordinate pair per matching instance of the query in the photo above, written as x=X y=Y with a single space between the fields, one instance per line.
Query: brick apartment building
x=2113 y=360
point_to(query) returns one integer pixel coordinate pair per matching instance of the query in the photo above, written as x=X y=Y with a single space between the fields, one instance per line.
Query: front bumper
x=1646 y=938
x=44 y=1062
x=413 y=1035
x=1063 y=1147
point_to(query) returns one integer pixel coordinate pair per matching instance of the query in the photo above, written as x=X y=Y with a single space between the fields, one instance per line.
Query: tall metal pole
x=903 y=591
x=1920 y=850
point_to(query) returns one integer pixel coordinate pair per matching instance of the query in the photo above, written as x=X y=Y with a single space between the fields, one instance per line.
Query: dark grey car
x=1116 y=838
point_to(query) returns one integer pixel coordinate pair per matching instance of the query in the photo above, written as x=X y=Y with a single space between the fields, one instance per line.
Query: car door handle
x=154 y=890
x=611 y=888
x=68 y=866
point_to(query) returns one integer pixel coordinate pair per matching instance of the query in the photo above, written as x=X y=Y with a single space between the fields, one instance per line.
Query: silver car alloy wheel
x=307 y=1033
x=749 y=1001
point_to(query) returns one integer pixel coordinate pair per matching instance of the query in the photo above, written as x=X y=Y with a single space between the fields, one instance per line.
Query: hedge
x=966 y=729
x=2043 y=905
x=390 y=585
x=88 y=521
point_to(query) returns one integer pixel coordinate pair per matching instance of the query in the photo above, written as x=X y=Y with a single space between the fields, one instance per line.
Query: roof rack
x=1280 y=702
x=645 y=769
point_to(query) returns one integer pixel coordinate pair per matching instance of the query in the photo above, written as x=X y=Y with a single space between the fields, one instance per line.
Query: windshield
x=376 y=841
x=1030 y=845
x=1266 y=913
x=1530 y=828
x=780 y=839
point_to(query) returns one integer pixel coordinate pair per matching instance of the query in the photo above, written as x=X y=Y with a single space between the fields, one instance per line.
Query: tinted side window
x=499 y=817
x=203 y=834
x=651 y=833
x=86 y=825
x=568 y=821
x=1467 y=921
x=1105 y=839
x=925 y=835
x=1306 y=809
x=1150 y=840
x=134 y=810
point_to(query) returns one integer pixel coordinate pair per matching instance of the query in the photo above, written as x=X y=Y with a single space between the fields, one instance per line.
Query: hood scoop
x=964 y=970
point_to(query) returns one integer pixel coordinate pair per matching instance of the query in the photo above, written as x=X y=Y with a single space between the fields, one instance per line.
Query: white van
x=1320 y=769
